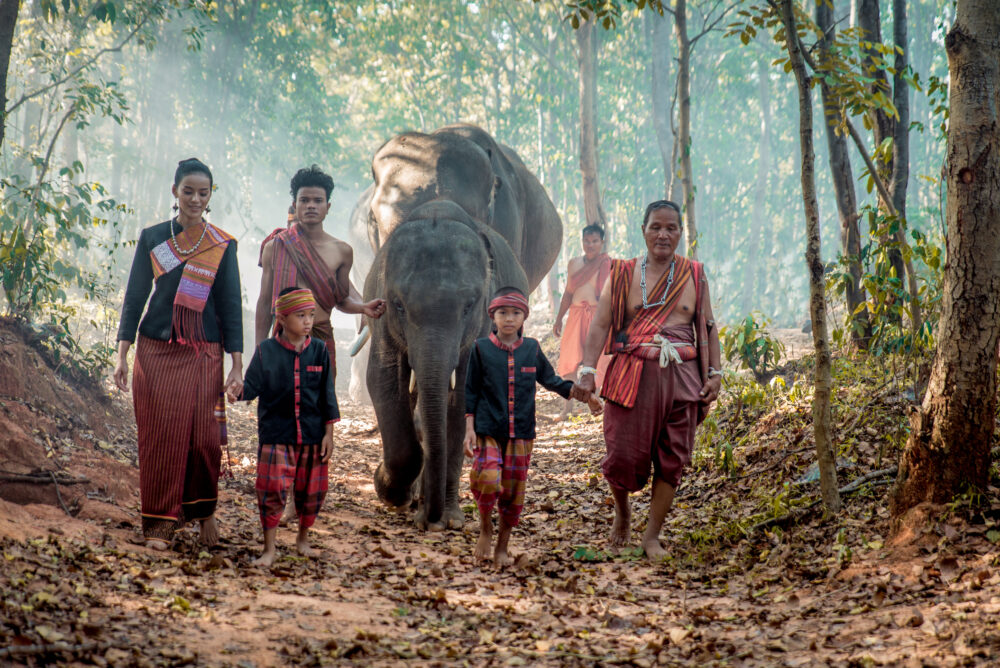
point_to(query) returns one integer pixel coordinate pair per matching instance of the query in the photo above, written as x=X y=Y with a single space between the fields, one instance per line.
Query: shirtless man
x=664 y=373
x=585 y=278
x=305 y=256
x=314 y=257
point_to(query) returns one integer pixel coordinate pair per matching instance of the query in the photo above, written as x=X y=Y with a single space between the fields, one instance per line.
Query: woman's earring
x=175 y=207
x=208 y=209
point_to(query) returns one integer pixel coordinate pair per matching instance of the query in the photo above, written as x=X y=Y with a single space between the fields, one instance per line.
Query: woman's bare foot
x=653 y=549
x=157 y=544
x=265 y=559
x=209 y=534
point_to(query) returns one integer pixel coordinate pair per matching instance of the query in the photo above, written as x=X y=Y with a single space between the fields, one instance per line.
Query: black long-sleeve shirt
x=500 y=386
x=222 y=319
x=295 y=391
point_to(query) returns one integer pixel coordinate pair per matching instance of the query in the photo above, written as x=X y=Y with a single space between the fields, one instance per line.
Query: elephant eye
x=468 y=307
x=398 y=305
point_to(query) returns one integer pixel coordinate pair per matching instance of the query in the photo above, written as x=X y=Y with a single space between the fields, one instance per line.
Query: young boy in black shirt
x=500 y=417
x=290 y=373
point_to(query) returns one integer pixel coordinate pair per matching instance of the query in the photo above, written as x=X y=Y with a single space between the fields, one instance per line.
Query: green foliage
x=43 y=229
x=750 y=344
x=606 y=13
x=889 y=303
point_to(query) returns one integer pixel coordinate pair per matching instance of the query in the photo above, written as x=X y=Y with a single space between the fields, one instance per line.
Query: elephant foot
x=397 y=498
x=454 y=517
x=420 y=519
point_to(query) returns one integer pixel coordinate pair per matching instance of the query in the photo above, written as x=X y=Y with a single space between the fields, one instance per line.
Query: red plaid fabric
x=280 y=467
x=500 y=476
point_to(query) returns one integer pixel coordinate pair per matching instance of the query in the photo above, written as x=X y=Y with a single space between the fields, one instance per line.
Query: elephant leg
x=454 y=518
x=402 y=457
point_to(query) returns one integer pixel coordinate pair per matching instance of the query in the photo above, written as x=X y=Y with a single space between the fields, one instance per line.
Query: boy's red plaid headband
x=296 y=300
x=512 y=299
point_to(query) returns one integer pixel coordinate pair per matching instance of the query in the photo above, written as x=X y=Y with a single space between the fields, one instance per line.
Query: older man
x=664 y=373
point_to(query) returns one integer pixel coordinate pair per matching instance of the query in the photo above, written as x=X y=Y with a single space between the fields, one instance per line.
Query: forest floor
x=755 y=576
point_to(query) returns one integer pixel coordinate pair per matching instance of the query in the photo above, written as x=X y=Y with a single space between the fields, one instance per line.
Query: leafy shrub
x=750 y=344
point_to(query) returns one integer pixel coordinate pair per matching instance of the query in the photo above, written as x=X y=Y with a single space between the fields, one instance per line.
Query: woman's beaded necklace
x=204 y=229
x=666 y=291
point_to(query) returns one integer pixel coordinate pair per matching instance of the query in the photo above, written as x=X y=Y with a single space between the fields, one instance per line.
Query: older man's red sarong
x=177 y=390
x=659 y=428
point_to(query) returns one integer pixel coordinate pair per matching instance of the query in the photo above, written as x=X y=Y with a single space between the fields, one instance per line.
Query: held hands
x=374 y=309
x=234 y=384
x=595 y=405
x=583 y=389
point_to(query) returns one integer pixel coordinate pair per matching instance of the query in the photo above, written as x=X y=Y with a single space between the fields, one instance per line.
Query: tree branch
x=90 y=61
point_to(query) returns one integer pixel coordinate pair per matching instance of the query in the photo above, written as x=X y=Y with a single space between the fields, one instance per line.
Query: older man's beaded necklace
x=666 y=291
x=204 y=229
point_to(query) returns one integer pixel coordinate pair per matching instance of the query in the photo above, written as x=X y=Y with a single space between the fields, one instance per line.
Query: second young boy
x=500 y=417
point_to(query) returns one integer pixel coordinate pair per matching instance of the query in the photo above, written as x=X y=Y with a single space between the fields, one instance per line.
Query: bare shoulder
x=575 y=264
x=267 y=252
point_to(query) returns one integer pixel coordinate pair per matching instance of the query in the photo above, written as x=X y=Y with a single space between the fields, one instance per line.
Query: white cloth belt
x=668 y=350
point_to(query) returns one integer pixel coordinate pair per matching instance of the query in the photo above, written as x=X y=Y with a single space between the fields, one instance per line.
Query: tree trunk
x=587 y=60
x=8 y=21
x=901 y=148
x=843 y=188
x=948 y=450
x=817 y=298
x=659 y=74
x=684 y=123
x=757 y=216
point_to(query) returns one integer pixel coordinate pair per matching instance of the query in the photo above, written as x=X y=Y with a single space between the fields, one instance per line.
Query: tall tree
x=843 y=183
x=587 y=60
x=8 y=22
x=822 y=431
x=684 y=125
x=658 y=44
x=949 y=446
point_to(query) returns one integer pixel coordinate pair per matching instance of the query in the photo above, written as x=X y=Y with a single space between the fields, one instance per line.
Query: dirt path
x=383 y=593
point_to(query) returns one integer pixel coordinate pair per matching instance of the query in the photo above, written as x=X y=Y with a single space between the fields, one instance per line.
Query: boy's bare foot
x=302 y=544
x=653 y=549
x=265 y=559
x=157 y=544
x=288 y=516
x=482 y=552
x=500 y=556
x=209 y=534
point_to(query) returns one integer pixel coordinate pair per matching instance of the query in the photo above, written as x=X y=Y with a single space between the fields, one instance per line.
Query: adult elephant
x=437 y=272
x=463 y=164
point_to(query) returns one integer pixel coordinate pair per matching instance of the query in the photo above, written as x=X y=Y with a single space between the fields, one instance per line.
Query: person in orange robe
x=585 y=278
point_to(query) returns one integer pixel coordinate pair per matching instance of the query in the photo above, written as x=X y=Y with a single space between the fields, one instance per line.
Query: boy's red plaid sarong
x=176 y=395
x=500 y=477
x=298 y=466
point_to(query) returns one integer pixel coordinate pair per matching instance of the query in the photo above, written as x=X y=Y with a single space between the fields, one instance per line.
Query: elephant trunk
x=433 y=380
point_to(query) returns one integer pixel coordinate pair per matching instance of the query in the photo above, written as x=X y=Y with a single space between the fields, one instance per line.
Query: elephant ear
x=505 y=270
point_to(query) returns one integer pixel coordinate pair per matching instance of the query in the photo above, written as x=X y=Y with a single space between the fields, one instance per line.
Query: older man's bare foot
x=157 y=544
x=265 y=559
x=621 y=530
x=653 y=549
x=209 y=534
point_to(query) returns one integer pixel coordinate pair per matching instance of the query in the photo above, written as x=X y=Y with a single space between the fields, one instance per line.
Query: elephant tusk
x=413 y=381
x=451 y=383
x=360 y=341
